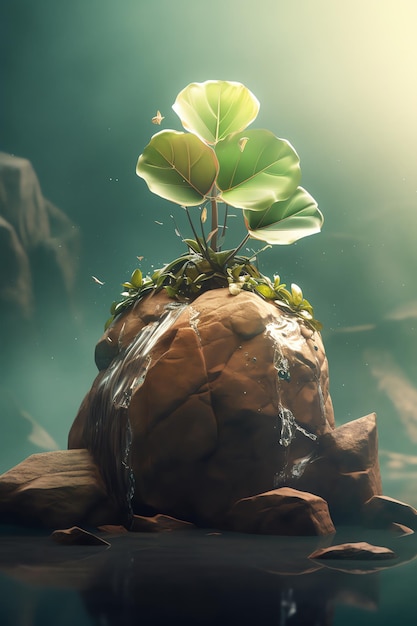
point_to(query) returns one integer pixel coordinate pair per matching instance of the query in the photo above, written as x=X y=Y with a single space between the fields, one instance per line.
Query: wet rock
x=220 y=405
x=113 y=529
x=400 y=530
x=345 y=471
x=354 y=551
x=382 y=511
x=56 y=489
x=77 y=536
x=282 y=511
x=157 y=524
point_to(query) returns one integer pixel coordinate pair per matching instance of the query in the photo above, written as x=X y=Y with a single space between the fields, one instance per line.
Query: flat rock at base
x=77 y=536
x=360 y=551
x=56 y=490
x=157 y=524
x=282 y=511
x=382 y=511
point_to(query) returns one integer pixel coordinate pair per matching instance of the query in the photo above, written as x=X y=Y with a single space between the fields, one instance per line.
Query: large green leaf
x=256 y=169
x=286 y=222
x=178 y=166
x=215 y=108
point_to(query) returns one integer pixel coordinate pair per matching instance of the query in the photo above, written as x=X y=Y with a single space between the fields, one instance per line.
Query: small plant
x=217 y=164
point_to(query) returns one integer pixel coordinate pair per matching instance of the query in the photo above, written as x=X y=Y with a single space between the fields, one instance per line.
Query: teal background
x=79 y=84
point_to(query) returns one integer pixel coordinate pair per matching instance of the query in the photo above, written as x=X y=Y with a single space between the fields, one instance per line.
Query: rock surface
x=354 y=551
x=39 y=248
x=35 y=237
x=76 y=536
x=345 y=471
x=223 y=397
x=282 y=511
x=56 y=490
x=382 y=512
x=158 y=524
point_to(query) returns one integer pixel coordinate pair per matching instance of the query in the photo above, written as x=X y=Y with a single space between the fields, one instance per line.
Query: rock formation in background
x=39 y=246
x=39 y=249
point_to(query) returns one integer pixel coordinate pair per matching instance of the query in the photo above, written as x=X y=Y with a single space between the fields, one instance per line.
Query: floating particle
x=157 y=119
x=97 y=280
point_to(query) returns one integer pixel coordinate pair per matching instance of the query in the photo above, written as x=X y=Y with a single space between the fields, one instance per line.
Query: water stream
x=286 y=332
x=108 y=429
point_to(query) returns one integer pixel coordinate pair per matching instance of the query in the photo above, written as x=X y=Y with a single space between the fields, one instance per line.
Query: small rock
x=282 y=511
x=400 y=530
x=360 y=551
x=113 y=529
x=382 y=511
x=346 y=471
x=157 y=524
x=76 y=536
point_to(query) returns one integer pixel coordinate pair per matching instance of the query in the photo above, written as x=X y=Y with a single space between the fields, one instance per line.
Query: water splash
x=280 y=331
x=108 y=430
x=289 y=428
x=300 y=465
x=194 y=320
x=286 y=331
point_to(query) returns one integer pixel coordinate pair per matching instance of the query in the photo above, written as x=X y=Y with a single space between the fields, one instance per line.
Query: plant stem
x=236 y=250
x=203 y=250
x=226 y=213
x=214 y=223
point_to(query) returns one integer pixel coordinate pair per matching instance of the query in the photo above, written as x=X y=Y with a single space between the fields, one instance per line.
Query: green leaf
x=266 y=171
x=194 y=245
x=215 y=108
x=286 y=222
x=265 y=291
x=136 y=279
x=178 y=167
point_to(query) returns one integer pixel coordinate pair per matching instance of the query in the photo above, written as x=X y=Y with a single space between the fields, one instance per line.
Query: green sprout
x=217 y=164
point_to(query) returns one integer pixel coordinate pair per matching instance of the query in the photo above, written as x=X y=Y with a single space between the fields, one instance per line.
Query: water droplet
x=299 y=466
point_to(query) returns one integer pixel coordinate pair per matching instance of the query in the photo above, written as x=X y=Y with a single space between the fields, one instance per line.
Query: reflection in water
x=198 y=577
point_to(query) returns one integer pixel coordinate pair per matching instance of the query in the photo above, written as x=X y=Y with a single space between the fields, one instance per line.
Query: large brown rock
x=56 y=490
x=221 y=398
